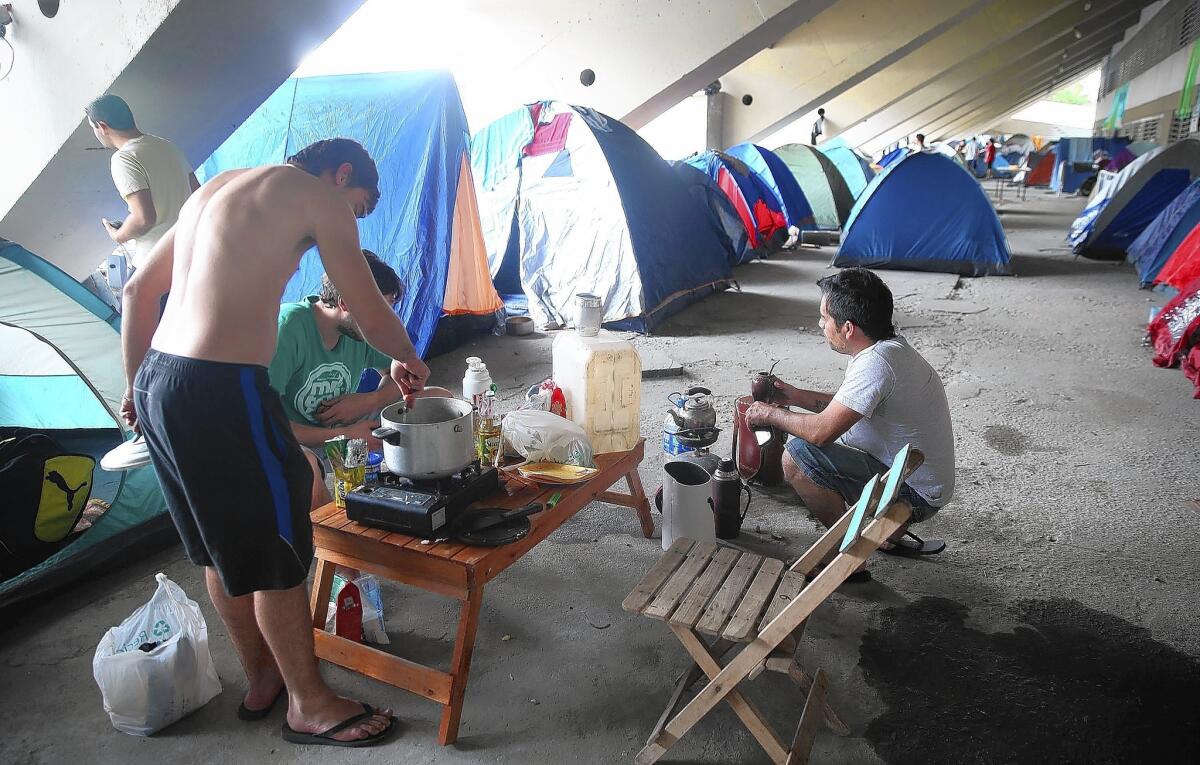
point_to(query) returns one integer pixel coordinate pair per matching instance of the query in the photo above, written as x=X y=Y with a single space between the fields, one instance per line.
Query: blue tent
x=426 y=224
x=723 y=216
x=774 y=172
x=574 y=201
x=1153 y=248
x=61 y=374
x=925 y=212
x=854 y=167
x=756 y=205
x=1123 y=204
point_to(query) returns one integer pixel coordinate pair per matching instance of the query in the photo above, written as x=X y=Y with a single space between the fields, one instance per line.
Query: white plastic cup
x=590 y=311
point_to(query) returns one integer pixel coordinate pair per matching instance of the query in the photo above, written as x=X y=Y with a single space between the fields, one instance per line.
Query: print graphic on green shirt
x=305 y=373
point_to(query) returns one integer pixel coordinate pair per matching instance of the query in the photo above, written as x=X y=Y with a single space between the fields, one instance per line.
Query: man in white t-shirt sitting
x=890 y=397
x=150 y=173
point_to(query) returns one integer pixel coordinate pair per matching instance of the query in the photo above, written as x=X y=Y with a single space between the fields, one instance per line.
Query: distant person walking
x=150 y=173
x=989 y=156
x=818 y=128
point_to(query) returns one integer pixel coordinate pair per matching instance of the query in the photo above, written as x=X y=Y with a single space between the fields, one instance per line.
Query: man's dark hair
x=332 y=153
x=858 y=296
x=920 y=137
x=112 y=111
x=385 y=279
x=820 y=112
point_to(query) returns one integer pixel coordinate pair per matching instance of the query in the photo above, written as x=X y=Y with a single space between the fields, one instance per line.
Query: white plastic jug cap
x=474 y=362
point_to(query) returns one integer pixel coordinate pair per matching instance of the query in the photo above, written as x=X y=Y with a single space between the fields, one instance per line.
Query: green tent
x=61 y=374
x=822 y=183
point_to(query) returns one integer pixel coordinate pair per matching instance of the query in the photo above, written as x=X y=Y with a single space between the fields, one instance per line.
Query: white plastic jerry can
x=601 y=378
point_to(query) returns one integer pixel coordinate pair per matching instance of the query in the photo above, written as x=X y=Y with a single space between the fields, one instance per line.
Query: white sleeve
x=128 y=174
x=867 y=384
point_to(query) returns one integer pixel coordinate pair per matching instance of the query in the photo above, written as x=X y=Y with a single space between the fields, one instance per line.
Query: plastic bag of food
x=154 y=668
x=374 y=628
x=545 y=437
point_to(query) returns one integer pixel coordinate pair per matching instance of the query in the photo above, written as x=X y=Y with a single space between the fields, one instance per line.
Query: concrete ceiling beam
x=1022 y=70
x=1023 y=85
x=905 y=114
x=841 y=47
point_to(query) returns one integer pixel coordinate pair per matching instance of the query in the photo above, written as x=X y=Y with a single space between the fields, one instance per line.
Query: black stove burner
x=419 y=508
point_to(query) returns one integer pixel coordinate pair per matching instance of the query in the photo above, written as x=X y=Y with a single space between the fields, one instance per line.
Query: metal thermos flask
x=727 y=488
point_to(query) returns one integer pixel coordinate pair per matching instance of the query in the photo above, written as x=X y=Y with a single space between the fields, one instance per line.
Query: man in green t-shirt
x=319 y=357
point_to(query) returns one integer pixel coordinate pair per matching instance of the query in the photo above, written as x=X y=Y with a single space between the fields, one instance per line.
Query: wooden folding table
x=451 y=569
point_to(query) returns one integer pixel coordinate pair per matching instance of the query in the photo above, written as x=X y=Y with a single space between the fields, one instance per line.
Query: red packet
x=348 y=617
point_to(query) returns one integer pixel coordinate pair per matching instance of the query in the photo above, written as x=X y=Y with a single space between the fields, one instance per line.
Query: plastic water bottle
x=477 y=381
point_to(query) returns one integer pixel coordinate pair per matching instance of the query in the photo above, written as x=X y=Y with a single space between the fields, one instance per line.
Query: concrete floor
x=1059 y=625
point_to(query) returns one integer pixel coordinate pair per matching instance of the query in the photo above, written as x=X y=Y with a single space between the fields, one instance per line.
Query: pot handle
x=384 y=433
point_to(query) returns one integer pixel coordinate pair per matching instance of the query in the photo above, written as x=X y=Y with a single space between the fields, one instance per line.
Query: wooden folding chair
x=699 y=589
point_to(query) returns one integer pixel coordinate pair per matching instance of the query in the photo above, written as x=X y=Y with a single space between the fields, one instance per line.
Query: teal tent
x=61 y=374
x=854 y=167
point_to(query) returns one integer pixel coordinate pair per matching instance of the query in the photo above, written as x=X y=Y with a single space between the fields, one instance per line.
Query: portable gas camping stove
x=423 y=509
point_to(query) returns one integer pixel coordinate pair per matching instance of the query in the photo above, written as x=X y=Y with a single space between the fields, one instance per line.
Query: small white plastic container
x=601 y=378
x=476 y=382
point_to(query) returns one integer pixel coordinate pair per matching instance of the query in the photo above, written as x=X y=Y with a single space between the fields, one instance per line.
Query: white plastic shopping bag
x=155 y=668
x=545 y=437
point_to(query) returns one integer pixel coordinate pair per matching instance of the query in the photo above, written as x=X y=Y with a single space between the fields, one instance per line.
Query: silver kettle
x=694 y=410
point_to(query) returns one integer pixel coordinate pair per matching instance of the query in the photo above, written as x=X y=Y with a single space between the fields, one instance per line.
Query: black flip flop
x=247 y=714
x=915 y=547
x=326 y=738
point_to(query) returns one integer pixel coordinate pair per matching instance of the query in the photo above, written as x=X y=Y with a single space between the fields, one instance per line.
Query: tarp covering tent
x=767 y=165
x=1154 y=246
x=854 y=167
x=925 y=213
x=822 y=182
x=426 y=225
x=1183 y=266
x=574 y=201
x=61 y=374
x=1073 y=160
x=1127 y=154
x=891 y=156
x=1041 y=167
x=722 y=214
x=756 y=205
x=1124 y=203
x=1176 y=329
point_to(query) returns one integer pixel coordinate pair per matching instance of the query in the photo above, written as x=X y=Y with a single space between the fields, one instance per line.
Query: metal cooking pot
x=431 y=439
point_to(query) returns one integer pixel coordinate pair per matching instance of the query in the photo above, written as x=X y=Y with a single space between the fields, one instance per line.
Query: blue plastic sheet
x=1154 y=246
x=925 y=213
x=414 y=127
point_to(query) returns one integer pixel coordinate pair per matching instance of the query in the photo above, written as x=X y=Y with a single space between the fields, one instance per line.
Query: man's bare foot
x=263 y=689
x=334 y=711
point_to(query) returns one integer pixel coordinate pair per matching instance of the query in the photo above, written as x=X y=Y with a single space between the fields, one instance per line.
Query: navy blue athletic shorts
x=236 y=483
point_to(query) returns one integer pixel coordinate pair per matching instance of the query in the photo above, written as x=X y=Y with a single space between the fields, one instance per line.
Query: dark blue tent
x=723 y=216
x=926 y=213
x=775 y=173
x=1153 y=248
x=574 y=201
x=1073 y=158
x=1123 y=204
x=756 y=205
x=426 y=225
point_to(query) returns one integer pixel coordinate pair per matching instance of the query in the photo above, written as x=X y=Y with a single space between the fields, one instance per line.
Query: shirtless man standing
x=237 y=484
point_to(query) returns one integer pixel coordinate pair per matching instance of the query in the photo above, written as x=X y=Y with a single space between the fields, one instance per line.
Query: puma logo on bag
x=56 y=478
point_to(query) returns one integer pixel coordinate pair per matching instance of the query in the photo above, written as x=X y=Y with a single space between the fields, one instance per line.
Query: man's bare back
x=237 y=242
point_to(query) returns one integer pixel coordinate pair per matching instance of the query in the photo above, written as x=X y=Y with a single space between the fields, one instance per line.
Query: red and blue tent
x=774 y=172
x=761 y=213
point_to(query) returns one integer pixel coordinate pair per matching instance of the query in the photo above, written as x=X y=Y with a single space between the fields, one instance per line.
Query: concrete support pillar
x=714 y=135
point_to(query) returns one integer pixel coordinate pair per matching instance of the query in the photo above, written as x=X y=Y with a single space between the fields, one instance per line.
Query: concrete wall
x=192 y=70
x=61 y=64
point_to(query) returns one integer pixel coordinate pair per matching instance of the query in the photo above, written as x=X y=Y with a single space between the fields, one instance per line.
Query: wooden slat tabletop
x=613 y=467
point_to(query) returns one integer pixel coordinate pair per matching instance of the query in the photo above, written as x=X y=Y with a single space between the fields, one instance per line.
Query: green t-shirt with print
x=305 y=373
